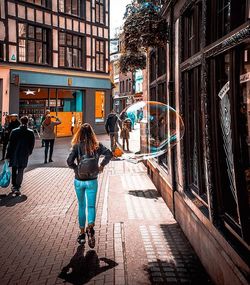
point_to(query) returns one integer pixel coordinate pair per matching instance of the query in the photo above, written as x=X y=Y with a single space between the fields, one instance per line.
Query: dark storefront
x=205 y=179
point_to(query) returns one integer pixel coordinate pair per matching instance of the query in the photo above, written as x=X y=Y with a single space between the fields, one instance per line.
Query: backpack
x=88 y=167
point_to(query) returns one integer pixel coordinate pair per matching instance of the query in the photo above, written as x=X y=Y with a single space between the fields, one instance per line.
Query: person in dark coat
x=111 y=127
x=20 y=147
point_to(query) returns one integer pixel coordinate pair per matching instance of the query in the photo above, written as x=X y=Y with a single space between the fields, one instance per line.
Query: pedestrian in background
x=86 y=150
x=73 y=122
x=48 y=136
x=14 y=122
x=47 y=112
x=125 y=135
x=112 y=128
x=20 y=147
x=5 y=136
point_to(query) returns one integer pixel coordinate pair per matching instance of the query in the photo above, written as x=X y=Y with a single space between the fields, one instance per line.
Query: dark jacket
x=20 y=147
x=102 y=150
x=111 y=124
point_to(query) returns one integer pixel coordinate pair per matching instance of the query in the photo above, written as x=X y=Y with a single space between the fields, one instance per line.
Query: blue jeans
x=86 y=194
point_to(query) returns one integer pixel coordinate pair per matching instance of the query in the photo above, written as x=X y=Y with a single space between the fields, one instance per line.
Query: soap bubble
x=151 y=128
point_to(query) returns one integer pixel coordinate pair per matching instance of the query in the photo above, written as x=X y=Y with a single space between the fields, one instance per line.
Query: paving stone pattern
x=137 y=239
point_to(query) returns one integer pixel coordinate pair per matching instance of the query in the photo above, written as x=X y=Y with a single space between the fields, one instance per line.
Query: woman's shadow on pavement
x=82 y=269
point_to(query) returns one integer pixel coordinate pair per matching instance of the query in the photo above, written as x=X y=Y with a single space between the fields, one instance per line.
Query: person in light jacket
x=20 y=147
x=85 y=142
x=48 y=136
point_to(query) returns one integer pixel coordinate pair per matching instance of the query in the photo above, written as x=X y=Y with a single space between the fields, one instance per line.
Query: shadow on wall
x=82 y=269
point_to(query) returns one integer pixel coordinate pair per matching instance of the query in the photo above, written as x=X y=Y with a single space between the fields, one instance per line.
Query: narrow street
x=137 y=239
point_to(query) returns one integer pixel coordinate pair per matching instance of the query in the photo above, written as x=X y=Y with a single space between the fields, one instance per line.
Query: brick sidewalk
x=138 y=241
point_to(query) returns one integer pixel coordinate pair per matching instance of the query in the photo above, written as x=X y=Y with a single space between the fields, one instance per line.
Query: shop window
x=99 y=106
x=100 y=11
x=44 y=3
x=71 y=50
x=100 y=55
x=224 y=16
x=72 y=7
x=191 y=30
x=229 y=77
x=193 y=134
x=65 y=103
x=33 y=44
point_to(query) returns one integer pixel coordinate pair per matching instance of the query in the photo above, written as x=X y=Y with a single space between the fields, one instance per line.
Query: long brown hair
x=86 y=135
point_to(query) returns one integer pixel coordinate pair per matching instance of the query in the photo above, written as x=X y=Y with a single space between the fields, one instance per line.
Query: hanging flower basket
x=130 y=62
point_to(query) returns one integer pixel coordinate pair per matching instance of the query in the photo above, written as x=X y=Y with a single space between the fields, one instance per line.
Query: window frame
x=99 y=53
x=191 y=27
x=216 y=26
x=48 y=3
x=101 y=6
x=45 y=42
x=80 y=8
x=193 y=138
x=81 y=48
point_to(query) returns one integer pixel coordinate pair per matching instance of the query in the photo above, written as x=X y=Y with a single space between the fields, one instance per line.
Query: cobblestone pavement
x=137 y=239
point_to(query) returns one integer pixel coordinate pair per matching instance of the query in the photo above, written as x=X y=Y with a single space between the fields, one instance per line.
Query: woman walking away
x=48 y=136
x=86 y=150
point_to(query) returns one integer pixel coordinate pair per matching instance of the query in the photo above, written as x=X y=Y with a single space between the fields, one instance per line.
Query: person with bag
x=86 y=150
x=48 y=136
x=20 y=147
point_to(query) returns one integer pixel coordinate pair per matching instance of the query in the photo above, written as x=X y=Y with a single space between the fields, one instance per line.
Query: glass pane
x=44 y=35
x=69 y=57
x=101 y=15
x=69 y=39
x=97 y=62
x=62 y=56
x=31 y=53
x=38 y=33
x=75 y=58
x=75 y=41
x=22 y=50
x=97 y=45
x=62 y=38
x=22 y=30
x=101 y=62
x=97 y=13
x=61 y=5
x=38 y=2
x=101 y=46
x=99 y=106
x=74 y=7
x=80 y=42
x=45 y=54
x=38 y=52
x=68 y=7
x=31 y=32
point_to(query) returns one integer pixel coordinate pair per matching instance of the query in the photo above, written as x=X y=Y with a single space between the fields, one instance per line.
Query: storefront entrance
x=66 y=104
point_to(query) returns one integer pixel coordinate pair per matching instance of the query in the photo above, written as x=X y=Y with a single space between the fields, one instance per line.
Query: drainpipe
x=172 y=95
